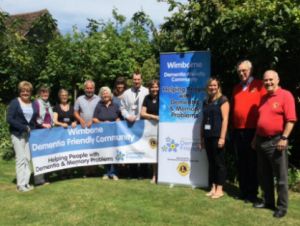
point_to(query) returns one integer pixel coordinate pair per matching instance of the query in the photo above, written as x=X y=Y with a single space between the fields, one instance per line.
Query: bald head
x=271 y=81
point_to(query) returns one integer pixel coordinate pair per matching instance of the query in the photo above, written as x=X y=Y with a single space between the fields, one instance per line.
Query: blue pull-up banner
x=183 y=78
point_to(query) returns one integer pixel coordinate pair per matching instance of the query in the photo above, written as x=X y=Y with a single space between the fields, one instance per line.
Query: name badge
x=66 y=119
x=207 y=127
x=133 y=107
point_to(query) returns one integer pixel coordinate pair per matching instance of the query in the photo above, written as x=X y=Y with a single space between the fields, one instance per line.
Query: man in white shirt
x=131 y=106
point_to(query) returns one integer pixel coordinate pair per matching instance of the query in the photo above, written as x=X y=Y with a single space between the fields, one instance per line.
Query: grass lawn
x=92 y=201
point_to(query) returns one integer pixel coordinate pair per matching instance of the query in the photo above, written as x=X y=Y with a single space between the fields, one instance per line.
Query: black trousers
x=273 y=163
x=246 y=163
x=216 y=161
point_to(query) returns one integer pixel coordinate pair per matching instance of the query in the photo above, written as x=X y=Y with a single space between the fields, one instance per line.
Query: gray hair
x=103 y=89
x=62 y=90
x=247 y=62
x=89 y=81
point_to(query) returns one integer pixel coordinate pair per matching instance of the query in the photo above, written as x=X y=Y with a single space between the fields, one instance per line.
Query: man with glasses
x=245 y=101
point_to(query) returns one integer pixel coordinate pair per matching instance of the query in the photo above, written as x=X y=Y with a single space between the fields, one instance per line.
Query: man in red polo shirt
x=245 y=100
x=277 y=116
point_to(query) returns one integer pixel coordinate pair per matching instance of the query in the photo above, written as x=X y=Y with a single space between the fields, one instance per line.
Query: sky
x=75 y=12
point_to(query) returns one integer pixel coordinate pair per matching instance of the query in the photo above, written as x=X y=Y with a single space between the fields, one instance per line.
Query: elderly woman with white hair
x=107 y=111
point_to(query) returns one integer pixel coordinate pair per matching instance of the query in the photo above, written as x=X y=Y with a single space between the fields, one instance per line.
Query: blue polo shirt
x=86 y=106
x=110 y=113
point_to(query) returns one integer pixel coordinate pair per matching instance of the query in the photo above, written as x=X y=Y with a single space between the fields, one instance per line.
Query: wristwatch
x=282 y=137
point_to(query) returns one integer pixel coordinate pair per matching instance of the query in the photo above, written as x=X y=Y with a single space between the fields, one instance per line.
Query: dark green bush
x=294 y=179
x=6 y=150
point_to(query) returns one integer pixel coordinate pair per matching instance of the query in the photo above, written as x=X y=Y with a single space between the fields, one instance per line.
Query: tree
x=264 y=31
x=107 y=50
x=22 y=53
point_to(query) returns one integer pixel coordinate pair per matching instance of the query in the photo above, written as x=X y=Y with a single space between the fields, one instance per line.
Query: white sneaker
x=105 y=177
x=114 y=177
x=23 y=189
x=29 y=187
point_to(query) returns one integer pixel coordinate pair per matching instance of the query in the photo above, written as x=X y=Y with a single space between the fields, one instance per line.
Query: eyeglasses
x=25 y=91
x=243 y=70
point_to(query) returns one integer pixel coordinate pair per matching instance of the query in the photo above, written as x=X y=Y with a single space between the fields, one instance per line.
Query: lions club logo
x=183 y=168
x=153 y=143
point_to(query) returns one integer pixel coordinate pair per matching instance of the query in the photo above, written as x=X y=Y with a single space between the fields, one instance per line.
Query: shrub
x=6 y=150
x=294 y=179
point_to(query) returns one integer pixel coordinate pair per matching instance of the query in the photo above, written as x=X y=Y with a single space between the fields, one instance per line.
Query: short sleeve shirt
x=274 y=111
x=86 y=106
x=151 y=104
x=107 y=113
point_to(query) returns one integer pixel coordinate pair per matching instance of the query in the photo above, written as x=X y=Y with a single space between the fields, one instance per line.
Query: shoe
x=23 y=189
x=153 y=180
x=29 y=187
x=114 y=177
x=252 y=200
x=241 y=196
x=217 y=196
x=105 y=177
x=279 y=213
x=43 y=183
x=209 y=194
x=261 y=205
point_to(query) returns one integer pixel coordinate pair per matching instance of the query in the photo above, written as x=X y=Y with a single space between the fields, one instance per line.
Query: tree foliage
x=107 y=50
x=23 y=57
x=265 y=31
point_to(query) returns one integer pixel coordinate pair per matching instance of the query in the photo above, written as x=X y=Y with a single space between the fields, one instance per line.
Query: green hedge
x=6 y=150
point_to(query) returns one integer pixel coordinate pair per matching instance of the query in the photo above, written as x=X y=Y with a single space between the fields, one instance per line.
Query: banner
x=104 y=143
x=183 y=77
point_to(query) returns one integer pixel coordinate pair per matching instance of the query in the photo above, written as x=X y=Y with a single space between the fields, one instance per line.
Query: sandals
x=217 y=196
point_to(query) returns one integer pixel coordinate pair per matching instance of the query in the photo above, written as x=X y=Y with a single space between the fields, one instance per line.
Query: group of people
x=24 y=115
x=262 y=115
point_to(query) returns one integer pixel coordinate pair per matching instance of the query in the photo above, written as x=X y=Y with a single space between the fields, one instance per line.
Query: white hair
x=89 y=81
x=247 y=62
x=103 y=89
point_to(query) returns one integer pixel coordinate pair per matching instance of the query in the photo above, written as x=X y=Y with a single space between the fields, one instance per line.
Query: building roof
x=23 y=22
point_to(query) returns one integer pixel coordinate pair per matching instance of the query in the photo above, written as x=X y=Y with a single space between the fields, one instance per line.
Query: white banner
x=103 y=143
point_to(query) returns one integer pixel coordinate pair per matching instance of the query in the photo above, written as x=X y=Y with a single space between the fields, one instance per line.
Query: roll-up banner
x=183 y=77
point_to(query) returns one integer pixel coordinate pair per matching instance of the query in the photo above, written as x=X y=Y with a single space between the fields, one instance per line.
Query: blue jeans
x=110 y=170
